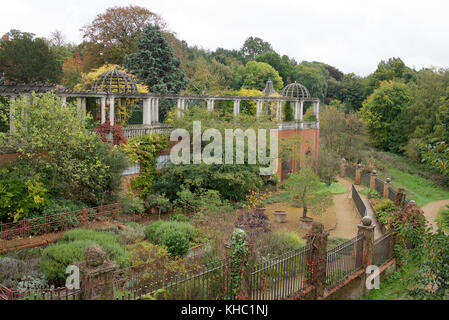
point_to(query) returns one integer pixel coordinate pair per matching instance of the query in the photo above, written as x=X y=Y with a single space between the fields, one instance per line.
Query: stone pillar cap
x=388 y=180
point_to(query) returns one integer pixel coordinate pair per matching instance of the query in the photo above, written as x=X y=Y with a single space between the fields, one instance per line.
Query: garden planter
x=260 y=210
x=280 y=216
x=305 y=223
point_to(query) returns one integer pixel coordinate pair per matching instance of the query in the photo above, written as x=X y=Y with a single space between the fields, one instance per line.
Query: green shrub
x=160 y=232
x=177 y=243
x=130 y=203
x=179 y=218
x=130 y=236
x=60 y=205
x=56 y=257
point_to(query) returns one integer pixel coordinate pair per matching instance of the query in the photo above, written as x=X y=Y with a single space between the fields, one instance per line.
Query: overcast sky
x=350 y=35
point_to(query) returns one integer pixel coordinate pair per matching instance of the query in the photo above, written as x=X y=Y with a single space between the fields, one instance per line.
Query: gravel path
x=431 y=212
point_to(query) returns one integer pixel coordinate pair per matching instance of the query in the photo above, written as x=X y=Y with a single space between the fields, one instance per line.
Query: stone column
x=358 y=174
x=372 y=185
x=12 y=99
x=367 y=229
x=81 y=103
x=96 y=275
x=279 y=111
x=317 y=258
x=147 y=111
x=112 y=110
x=316 y=110
x=259 y=108
x=210 y=104
x=343 y=168
x=179 y=106
x=387 y=186
x=236 y=107
x=103 y=110
x=301 y=114
x=156 y=110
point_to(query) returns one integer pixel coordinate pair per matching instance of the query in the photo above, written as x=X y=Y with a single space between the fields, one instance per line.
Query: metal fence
x=344 y=260
x=139 y=131
x=350 y=172
x=40 y=294
x=383 y=249
x=391 y=194
x=366 y=179
x=281 y=277
x=360 y=205
x=51 y=223
x=379 y=186
x=212 y=282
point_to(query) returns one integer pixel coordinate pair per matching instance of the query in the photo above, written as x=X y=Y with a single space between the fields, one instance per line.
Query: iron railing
x=344 y=260
x=379 y=186
x=366 y=179
x=281 y=277
x=50 y=223
x=40 y=294
x=360 y=205
x=350 y=172
x=212 y=282
x=383 y=249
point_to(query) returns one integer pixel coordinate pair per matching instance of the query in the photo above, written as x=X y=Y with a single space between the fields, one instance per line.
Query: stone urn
x=280 y=216
x=305 y=223
x=260 y=209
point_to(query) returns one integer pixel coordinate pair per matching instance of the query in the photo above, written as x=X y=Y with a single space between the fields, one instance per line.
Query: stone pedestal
x=280 y=216
x=387 y=186
x=367 y=229
x=305 y=224
x=96 y=275
x=358 y=175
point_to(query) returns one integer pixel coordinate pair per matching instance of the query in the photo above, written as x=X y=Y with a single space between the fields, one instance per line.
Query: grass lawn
x=443 y=219
x=417 y=188
x=395 y=286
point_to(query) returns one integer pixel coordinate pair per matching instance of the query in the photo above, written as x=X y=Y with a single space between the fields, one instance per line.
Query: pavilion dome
x=296 y=90
x=115 y=81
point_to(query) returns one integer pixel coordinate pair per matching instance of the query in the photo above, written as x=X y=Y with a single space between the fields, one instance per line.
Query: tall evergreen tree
x=155 y=64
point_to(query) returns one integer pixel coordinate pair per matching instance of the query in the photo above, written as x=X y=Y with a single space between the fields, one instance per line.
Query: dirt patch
x=431 y=211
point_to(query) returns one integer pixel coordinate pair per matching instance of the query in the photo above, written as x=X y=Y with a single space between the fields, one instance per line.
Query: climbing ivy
x=144 y=150
x=239 y=261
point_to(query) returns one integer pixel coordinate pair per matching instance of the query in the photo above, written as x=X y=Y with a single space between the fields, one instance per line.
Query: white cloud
x=350 y=35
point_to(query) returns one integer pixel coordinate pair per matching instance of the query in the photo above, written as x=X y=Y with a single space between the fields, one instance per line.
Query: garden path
x=431 y=211
x=369 y=211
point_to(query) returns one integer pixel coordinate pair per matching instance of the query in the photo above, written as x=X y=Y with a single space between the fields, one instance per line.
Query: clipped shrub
x=160 y=232
x=56 y=257
x=177 y=244
x=179 y=218
x=130 y=236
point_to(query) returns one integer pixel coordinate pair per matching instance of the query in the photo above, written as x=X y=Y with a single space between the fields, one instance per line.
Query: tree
x=284 y=65
x=24 y=58
x=255 y=76
x=71 y=69
x=80 y=166
x=113 y=35
x=305 y=191
x=393 y=69
x=351 y=92
x=328 y=166
x=154 y=63
x=312 y=76
x=383 y=113
x=254 y=46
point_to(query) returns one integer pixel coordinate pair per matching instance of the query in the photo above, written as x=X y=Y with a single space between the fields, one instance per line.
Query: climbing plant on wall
x=144 y=150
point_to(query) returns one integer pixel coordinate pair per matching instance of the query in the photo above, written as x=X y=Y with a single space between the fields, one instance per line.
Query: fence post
x=358 y=174
x=387 y=186
x=372 y=184
x=367 y=229
x=343 y=168
x=96 y=275
x=317 y=260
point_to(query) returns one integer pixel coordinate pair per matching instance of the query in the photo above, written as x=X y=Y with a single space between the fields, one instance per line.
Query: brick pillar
x=317 y=258
x=343 y=168
x=372 y=184
x=96 y=275
x=400 y=194
x=358 y=174
x=387 y=186
x=367 y=228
